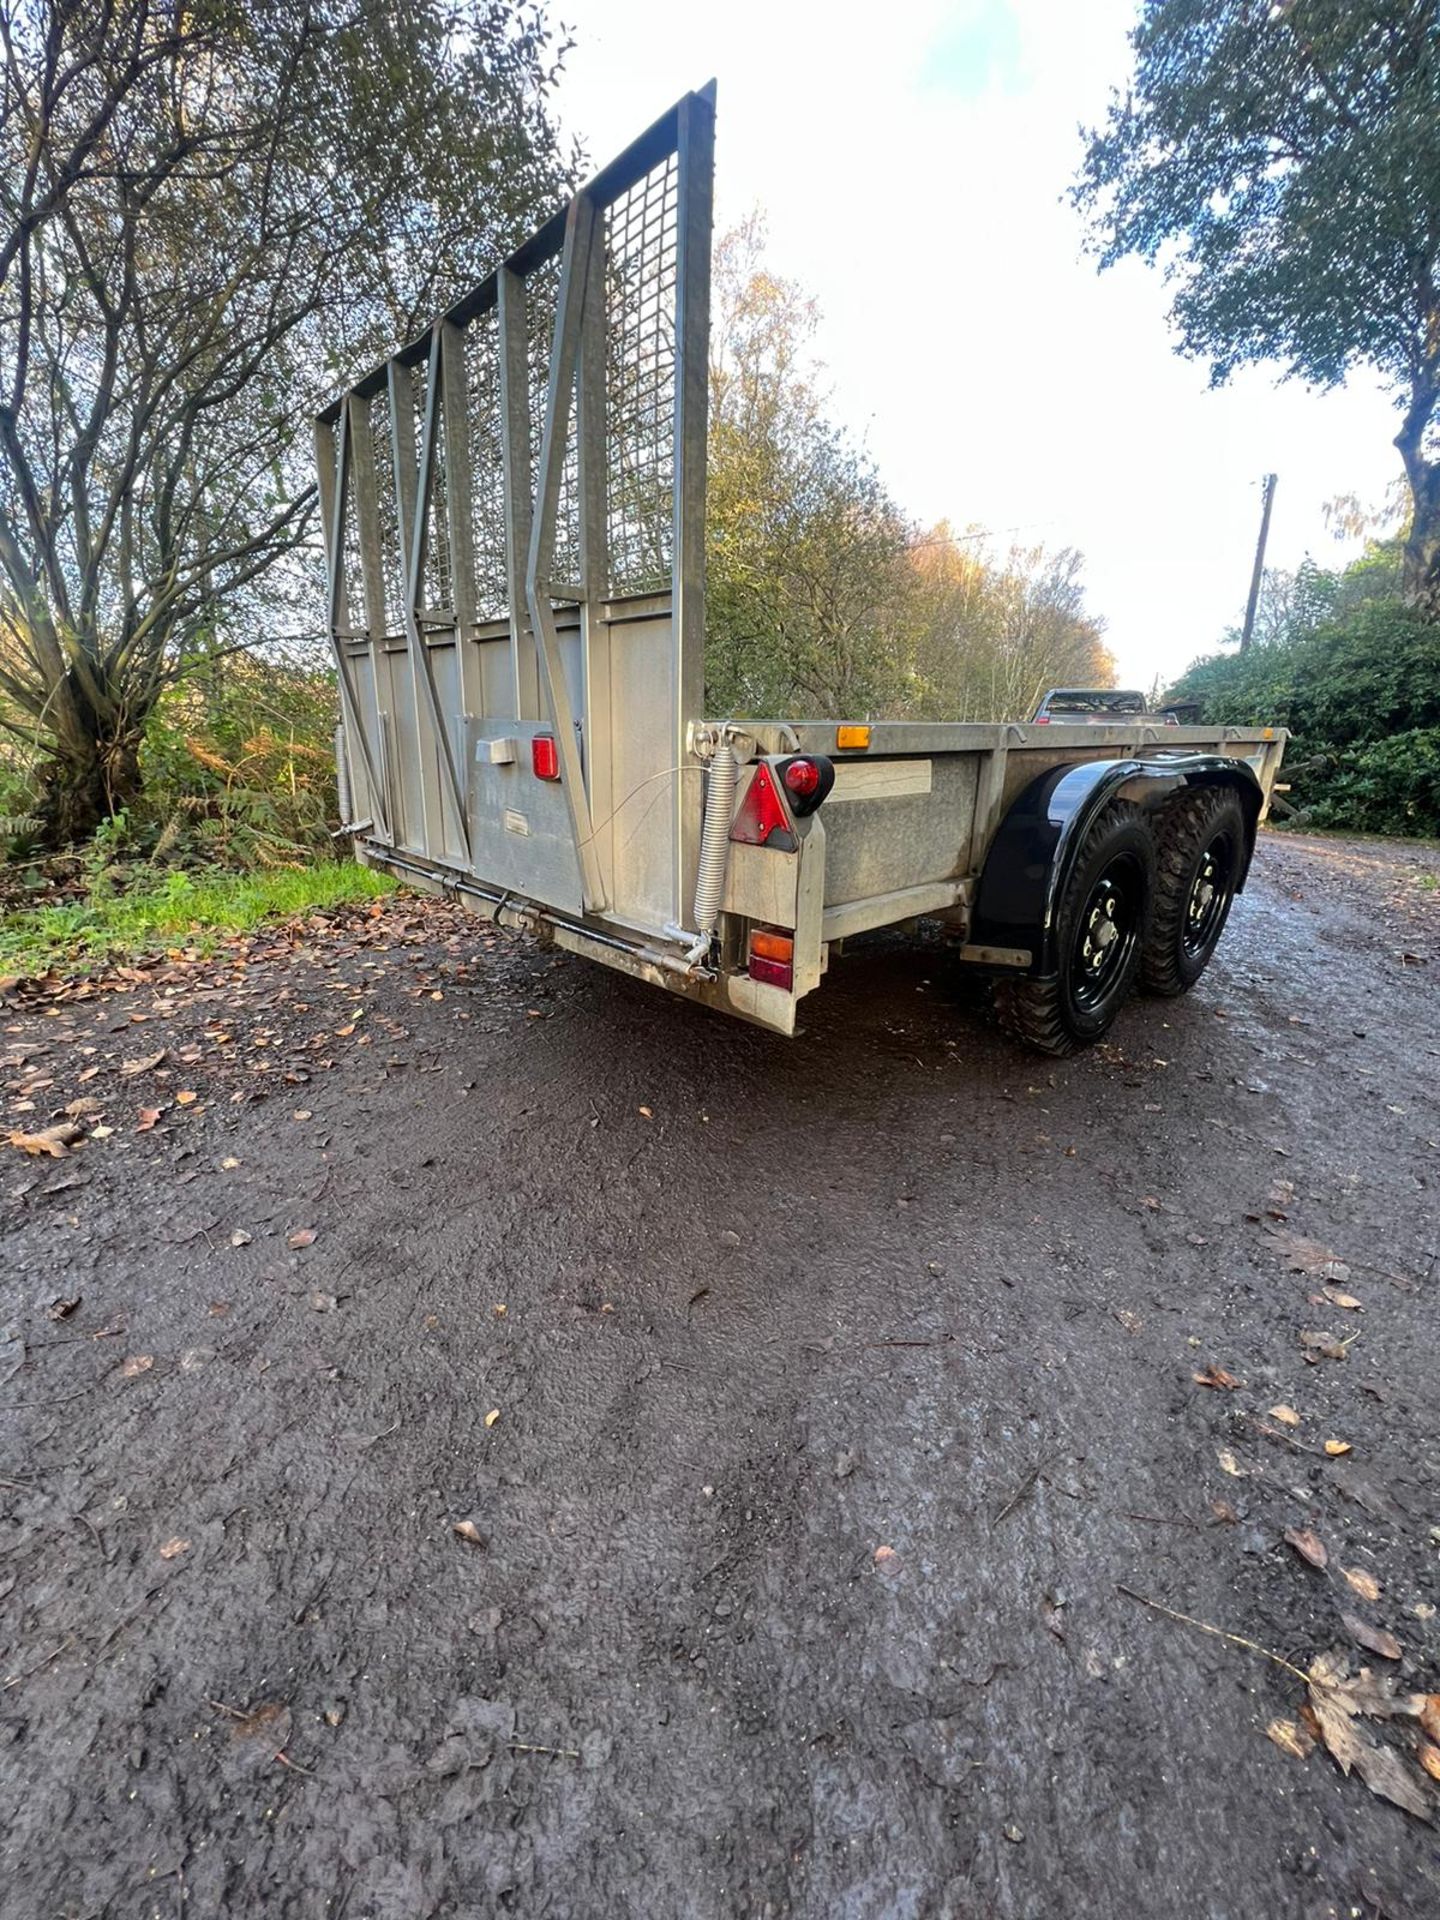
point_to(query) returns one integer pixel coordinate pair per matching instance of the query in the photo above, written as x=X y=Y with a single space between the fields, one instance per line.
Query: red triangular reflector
x=762 y=820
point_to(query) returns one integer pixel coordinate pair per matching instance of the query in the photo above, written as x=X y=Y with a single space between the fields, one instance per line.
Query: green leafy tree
x=210 y=215
x=995 y=631
x=810 y=601
x=1282 y=158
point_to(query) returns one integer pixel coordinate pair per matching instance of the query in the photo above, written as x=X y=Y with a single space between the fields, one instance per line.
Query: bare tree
x=208 y=216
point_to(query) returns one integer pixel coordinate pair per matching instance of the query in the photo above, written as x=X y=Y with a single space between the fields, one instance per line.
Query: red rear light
x=772 y=957
x=1042 y=720
x=545 y=757
x=802 y=777
x=761 y=820
x=772 y=973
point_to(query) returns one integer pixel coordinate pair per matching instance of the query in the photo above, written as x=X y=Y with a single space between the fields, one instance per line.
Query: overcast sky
x=912 y=161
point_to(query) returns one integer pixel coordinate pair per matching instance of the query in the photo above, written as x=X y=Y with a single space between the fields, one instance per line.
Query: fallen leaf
x=1339 y=1299
x=882 y=1554
x=1365 y=1584
x=152 y=1060
x=324 y=1302
x=229 y=1163
x=62 y=1309
x=137 y=1364
x=1287 y=1416
x=1336 y=1447
x=1229 y=1464
x=1224 y=1513
x=492 y=1416
x=1308 y=1544
x=186 y=1099
x=468 y=1530
x=148 y=1117
x=1217 y=1377
x=1292 y=1738
x=1323 y=1345
x=77 y=1109
x=172 y=1549
x=1335 y=1701
x=1430 y=1714
x=645 y=1111
x=55 y=1141
x=302 y=1113
x=1308 y=1256
x=101 y=1133
x=1430 y=1759
x=301 y=1237
x=1373 y=1639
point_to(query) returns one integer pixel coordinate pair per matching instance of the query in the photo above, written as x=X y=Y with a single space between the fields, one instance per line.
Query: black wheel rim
x=1106 y=935
x=1209 y=897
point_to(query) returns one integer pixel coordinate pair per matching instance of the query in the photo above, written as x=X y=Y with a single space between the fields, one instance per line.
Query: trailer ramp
x=514 y=511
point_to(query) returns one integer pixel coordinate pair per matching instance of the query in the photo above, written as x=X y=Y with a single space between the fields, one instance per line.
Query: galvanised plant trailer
x=514 y=509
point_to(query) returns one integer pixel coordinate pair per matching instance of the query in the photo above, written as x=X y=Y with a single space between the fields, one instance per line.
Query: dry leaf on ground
x=1292 y=1737
x=1373 y=1639
x=1336 y=1447
x=1213 y=1376
x=1336 y=1700
x=467 y=1530
x=1309 y=1256
x=129 y=1068
x=1308 y=1544
x=1365 y=1584
x=137 y=1364
x=55 y=1141
x=1339 y=1299
x=172 y=1549
x=1287 y=1416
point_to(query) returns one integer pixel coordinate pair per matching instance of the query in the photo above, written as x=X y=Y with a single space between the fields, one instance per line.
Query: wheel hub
x=1208 y=895
x=1106 y=937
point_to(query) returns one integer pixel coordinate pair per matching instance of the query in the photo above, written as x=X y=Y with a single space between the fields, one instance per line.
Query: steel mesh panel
x=392 y=566
x=542 y=296
x=352 y=604
x=436 y=591
x=641 y=238
x=487 y=466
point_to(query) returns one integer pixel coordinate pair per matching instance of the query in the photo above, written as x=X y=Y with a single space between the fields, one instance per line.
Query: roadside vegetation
x=1354 y=671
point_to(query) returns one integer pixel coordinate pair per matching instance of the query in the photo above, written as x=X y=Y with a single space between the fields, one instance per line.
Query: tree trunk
x=89 y=779
x=1420 y=579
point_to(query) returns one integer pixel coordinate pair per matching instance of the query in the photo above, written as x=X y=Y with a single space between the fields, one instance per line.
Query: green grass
x=174 y=910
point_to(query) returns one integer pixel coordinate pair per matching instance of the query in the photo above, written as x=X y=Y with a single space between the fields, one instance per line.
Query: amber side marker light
x=851 y=738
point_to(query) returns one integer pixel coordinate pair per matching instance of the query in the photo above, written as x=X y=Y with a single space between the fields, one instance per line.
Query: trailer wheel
x=1101 y=930
x=1201 y=837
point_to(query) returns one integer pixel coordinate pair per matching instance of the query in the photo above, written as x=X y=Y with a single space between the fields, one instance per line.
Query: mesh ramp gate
x=514 y=513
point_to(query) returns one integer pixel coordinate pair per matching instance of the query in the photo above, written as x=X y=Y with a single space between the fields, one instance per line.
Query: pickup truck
x=514 y=507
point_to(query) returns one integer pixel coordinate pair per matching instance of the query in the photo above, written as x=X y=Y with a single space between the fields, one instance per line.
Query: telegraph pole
x=1267 y=500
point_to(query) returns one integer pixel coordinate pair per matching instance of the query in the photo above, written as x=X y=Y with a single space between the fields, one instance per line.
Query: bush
x=1360 y=692
x=1389 y=786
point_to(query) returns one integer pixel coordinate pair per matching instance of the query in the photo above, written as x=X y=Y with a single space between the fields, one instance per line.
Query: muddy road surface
x=479 y=1437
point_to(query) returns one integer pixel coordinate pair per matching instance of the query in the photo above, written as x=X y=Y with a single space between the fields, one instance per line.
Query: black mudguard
x=1031 y=857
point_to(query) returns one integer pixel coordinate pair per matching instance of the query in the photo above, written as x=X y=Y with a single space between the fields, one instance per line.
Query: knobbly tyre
x=514 y=507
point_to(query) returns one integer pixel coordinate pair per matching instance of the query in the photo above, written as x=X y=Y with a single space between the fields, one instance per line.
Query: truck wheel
x=1201 y=837
x=1100 y=932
